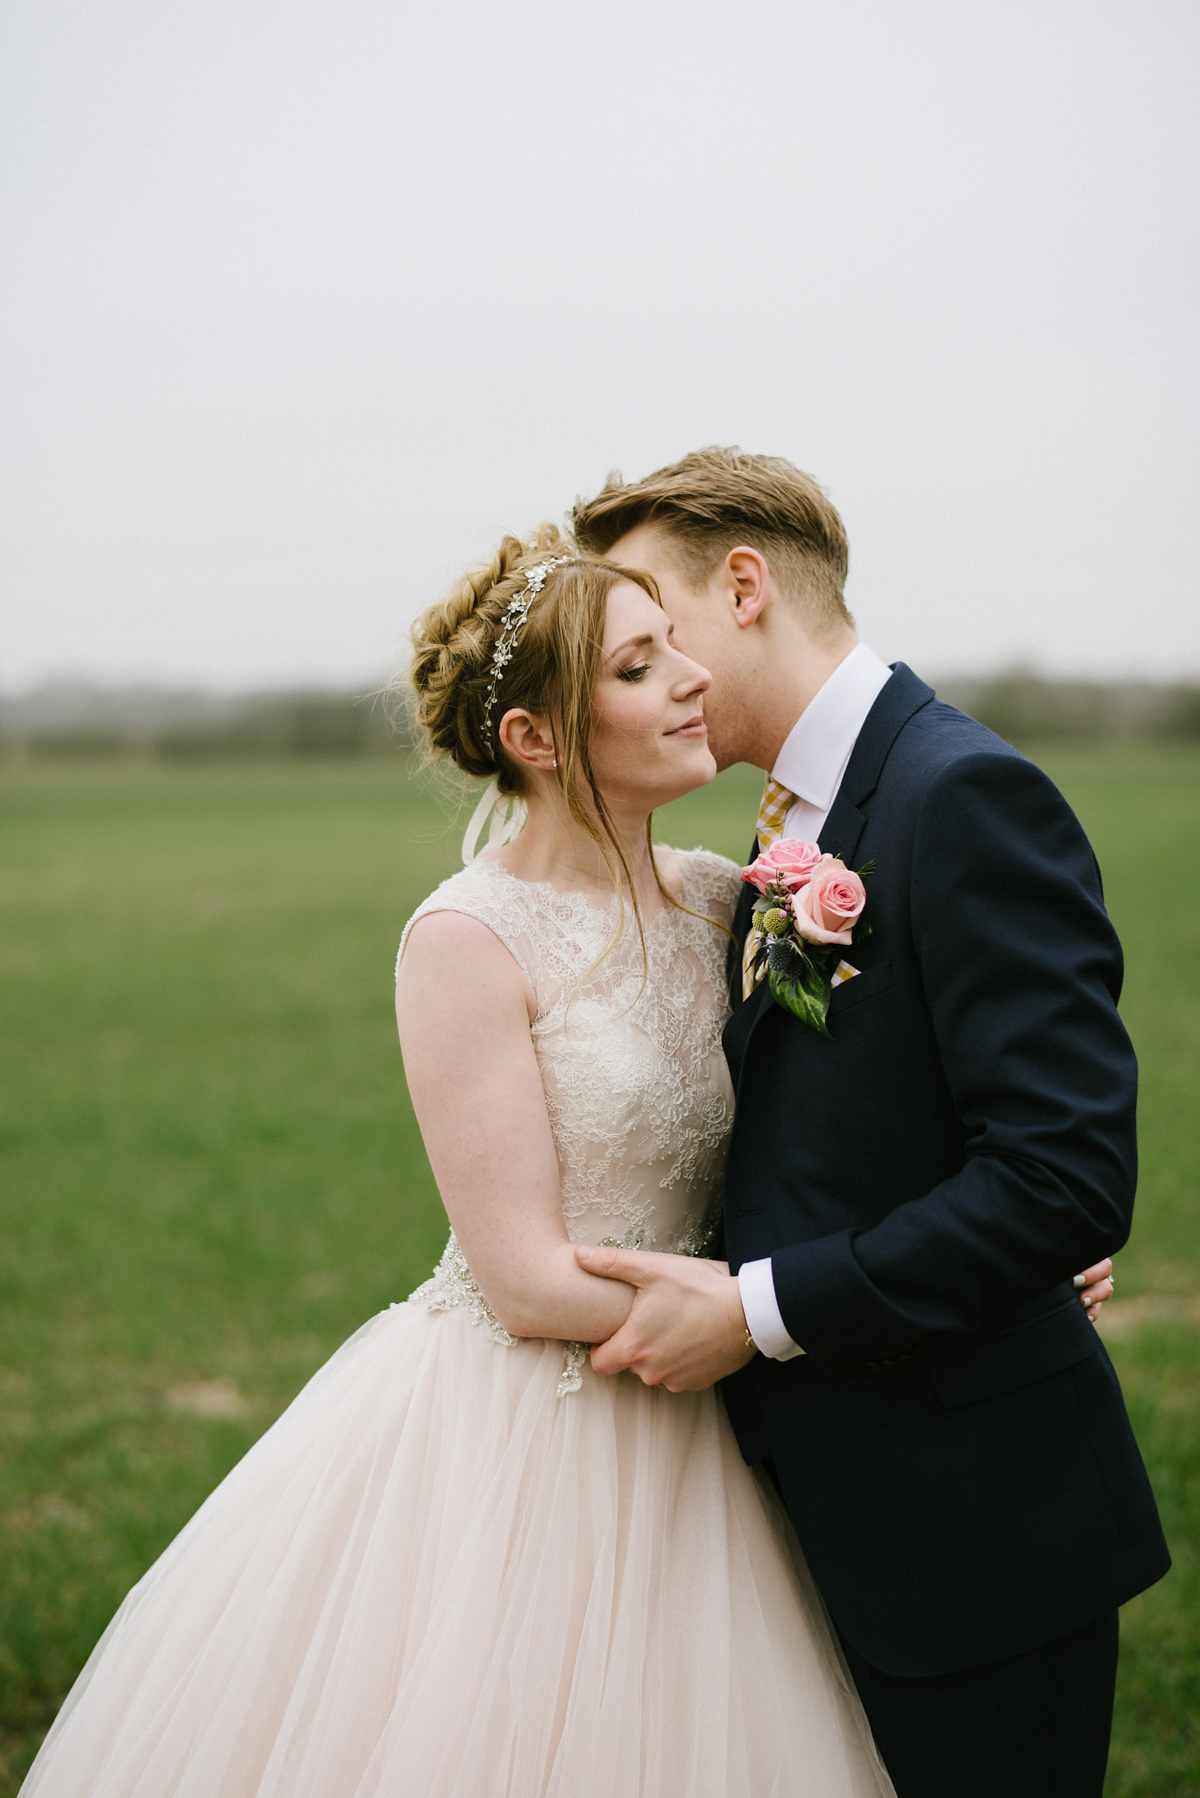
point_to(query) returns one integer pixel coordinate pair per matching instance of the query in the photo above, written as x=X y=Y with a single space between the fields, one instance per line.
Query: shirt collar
x=814 y=756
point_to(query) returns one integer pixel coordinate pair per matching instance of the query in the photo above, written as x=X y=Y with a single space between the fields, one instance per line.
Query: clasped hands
x=687 y=1329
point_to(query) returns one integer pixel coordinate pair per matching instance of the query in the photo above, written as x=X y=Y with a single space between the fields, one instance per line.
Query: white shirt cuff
x=756 y=1283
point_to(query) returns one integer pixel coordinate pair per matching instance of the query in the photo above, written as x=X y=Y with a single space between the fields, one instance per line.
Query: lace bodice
x=636 y=1082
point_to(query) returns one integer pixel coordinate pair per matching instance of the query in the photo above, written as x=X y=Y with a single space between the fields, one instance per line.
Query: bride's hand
x=1096 y=1284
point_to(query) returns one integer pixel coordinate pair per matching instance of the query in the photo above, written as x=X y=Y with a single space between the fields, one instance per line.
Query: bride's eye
x=633 y=673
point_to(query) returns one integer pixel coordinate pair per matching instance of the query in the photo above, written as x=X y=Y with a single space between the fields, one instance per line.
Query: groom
x=899 y=1339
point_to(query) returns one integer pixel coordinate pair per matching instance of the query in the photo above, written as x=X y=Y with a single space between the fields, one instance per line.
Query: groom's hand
x=687 y=1329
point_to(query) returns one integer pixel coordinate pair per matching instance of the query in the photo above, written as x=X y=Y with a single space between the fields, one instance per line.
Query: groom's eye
x=633 y=673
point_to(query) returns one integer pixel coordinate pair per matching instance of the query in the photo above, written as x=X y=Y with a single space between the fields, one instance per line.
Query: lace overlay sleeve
x=711 y=884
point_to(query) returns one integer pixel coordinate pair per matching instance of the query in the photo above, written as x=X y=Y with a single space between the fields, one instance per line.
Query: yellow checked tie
x=774 y=806
x=777 y=801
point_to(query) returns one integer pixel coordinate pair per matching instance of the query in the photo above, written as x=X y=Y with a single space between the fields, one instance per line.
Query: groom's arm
x=1021 y=971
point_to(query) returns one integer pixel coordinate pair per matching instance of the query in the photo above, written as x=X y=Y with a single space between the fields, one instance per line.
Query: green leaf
x=806 y=998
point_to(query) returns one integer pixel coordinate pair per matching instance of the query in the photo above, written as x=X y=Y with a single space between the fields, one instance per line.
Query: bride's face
x=649 y=738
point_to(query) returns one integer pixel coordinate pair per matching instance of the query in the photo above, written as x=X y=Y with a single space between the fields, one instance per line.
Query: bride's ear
x=528 y=739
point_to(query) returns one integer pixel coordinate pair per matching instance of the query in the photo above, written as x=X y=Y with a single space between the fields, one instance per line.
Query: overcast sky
x=304 y=303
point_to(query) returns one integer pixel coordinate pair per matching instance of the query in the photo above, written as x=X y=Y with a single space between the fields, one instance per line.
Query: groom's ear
x=747 y=581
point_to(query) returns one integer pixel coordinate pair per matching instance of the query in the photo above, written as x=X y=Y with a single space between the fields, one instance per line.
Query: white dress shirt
x=811 y=765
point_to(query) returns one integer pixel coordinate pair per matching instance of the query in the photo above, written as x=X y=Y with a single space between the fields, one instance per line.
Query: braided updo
x=453 y=645
x=553 y=671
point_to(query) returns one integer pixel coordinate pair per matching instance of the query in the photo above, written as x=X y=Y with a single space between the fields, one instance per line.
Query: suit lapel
x=897 y=702
x=842 y=828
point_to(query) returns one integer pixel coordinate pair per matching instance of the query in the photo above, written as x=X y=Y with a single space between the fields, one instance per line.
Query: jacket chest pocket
x=870 y=984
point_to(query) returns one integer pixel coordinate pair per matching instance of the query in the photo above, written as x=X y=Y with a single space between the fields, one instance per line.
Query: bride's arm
x=464 y=1010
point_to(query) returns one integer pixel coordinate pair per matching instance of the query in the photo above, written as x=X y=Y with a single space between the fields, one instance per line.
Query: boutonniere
x=807 y=908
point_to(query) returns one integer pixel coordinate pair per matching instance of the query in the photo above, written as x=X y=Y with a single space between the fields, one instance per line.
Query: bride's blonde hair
x=553 y=671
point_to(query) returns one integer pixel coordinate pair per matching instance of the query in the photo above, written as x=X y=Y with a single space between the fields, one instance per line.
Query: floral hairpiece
x=515 y=614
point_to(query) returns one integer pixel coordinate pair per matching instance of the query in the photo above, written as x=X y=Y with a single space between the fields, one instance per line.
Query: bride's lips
x=695 y=727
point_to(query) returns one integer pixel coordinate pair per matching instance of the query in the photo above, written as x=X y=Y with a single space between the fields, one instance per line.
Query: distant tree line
x=1022 y=706
x=76 y=717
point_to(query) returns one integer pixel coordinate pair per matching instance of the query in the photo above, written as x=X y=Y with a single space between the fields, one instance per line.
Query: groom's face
x=704 y=631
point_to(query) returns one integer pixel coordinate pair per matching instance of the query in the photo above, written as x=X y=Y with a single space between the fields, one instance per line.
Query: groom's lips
x=695 y=726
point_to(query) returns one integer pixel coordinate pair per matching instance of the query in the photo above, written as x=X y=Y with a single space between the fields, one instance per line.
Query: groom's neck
x=790 y=671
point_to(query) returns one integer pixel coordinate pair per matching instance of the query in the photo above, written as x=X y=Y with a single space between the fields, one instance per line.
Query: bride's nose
x=693 y=679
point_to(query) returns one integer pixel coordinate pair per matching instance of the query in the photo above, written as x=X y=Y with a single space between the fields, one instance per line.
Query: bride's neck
x=554 y=848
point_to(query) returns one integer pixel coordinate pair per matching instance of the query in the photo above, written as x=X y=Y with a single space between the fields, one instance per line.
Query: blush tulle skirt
x=433 y=1577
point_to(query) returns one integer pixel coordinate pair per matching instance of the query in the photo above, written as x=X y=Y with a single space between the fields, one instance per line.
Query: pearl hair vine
x=515 y=614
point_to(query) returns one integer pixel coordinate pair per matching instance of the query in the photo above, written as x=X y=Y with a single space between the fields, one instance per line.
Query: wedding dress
x=463 y=1565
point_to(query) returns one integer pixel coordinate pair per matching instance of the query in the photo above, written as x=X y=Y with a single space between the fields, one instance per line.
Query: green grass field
x=211 y=1174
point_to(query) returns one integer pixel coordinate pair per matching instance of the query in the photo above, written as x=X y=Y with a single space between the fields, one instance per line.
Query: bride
x=462 y=1564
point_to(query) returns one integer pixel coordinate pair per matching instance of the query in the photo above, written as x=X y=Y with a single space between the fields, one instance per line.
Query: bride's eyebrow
x=636 y=643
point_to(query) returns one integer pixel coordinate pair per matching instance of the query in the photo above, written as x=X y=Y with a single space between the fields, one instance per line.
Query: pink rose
x=789 y=860
x=828 y=905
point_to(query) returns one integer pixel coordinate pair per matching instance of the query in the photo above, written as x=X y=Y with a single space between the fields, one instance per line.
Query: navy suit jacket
x=953 y=1447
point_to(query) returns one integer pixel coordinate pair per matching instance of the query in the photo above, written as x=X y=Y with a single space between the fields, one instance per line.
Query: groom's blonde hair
x=716 y=499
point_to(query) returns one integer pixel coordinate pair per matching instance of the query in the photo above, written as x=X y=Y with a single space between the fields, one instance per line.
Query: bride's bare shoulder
x=449 y=944
x=443 y=933
x=452 y=962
